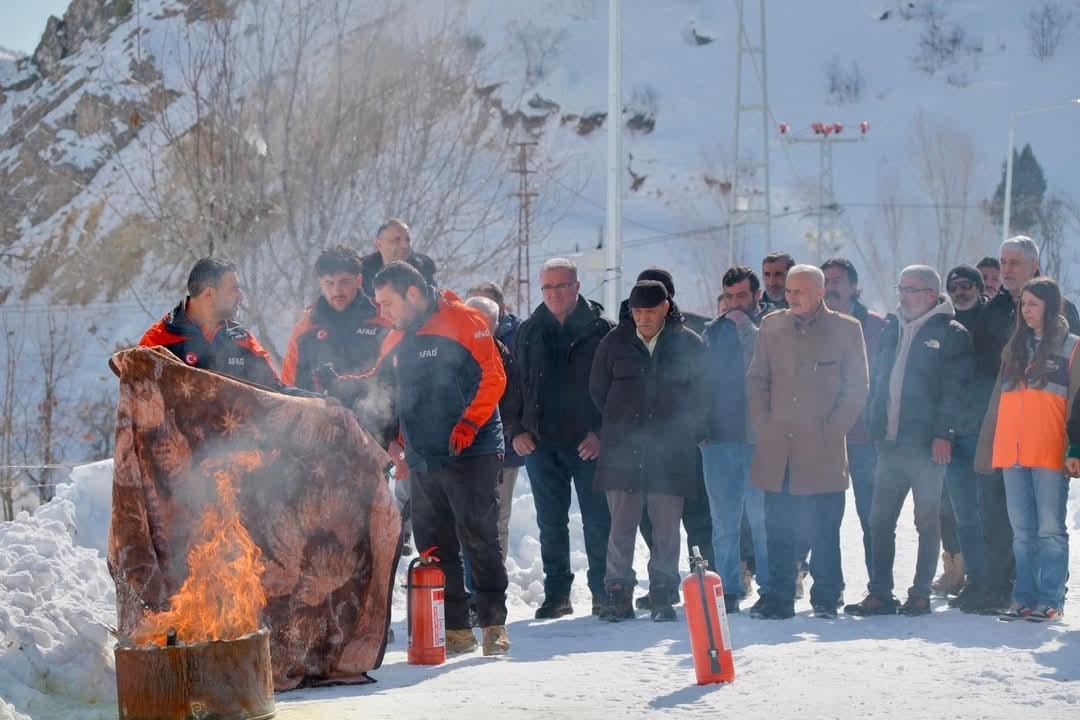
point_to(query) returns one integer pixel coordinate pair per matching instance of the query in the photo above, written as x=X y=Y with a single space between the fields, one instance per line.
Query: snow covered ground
x=56 y=655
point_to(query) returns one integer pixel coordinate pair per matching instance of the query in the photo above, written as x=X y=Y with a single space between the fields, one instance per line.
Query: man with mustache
x=842 y=295
x=203 y=332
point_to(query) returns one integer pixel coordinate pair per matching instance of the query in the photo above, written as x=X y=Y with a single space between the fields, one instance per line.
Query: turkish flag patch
x=321 y=334
x=191 y=358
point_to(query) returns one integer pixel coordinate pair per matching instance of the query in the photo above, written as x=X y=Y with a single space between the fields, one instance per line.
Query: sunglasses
x=961 y=285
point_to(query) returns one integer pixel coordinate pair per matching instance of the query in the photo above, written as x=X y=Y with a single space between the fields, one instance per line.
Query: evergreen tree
x=1028 y=191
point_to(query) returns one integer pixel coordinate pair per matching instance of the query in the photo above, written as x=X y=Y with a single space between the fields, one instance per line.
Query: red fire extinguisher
x=425 y=612
x=706 y=616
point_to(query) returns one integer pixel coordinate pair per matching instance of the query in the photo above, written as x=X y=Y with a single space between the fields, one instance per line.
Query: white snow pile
x=56 y=655
x=56 y=598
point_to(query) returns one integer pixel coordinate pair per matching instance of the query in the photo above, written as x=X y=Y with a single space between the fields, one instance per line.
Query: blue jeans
x=822 y=515
x=964 y=487
x=1036 y=499
x=727 y=481
x=551 y=471
x=862 y=464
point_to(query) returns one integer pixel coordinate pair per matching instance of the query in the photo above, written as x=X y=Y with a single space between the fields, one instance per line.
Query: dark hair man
x=774 y=270
x=729 y=345
x=202 y=330
x=990 y=269
x=842 y=295
x=393 y=242
x=341 y=329
x=448 y=380
x=554 y=425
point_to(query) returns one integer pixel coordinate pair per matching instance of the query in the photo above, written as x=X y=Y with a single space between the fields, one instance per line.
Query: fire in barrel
x=206 y=655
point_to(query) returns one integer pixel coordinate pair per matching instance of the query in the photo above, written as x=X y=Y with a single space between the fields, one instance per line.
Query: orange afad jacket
x=445 y=371
x=1024 y=425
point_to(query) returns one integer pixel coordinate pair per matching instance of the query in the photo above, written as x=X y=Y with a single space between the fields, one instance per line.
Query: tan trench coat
x=806 y=387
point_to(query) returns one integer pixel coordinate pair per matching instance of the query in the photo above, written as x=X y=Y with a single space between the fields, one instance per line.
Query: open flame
x=222 y=597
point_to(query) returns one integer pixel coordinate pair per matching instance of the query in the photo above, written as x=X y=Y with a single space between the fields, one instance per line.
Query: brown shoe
x=951 y=580
x=459 y=642
x=496 y=641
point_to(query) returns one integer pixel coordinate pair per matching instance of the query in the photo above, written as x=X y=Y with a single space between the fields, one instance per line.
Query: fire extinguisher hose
x=714 y=652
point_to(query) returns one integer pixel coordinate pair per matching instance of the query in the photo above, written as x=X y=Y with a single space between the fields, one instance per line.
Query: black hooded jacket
x=370 y=265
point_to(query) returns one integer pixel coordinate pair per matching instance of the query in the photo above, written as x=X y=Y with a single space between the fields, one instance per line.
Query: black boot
x=660 y=603
x=620 y=604
x=554 y=607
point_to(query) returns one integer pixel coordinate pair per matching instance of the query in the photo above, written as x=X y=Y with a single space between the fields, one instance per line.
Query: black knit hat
x=965 y=272
x=661 y=276
x=648 y=294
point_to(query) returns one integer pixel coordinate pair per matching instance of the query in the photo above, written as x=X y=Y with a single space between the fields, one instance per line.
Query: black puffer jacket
x=542 y=377
x=654 y=410
x=935 y=397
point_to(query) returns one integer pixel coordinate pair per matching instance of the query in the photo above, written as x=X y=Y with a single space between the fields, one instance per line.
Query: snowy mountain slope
x=694 y=86
x=943 y=665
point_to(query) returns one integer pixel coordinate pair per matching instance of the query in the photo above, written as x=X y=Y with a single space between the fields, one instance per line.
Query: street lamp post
x=1006 y=211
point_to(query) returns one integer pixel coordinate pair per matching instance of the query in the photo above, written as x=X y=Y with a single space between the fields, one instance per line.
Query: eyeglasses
x=558 y=286
x=961 y=285
x=900 y=289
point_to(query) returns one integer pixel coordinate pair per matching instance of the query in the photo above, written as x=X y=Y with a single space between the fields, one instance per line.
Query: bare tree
x=879 y=251
x=45 y=440
x=844 y=85
x=96 y=416
x=1047 y=26
x=944 y=161
x=12 y=410
x=300 y=127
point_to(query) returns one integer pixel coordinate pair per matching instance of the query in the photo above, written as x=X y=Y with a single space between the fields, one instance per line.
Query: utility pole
x=825 y=135
x=524 y=195
x=747 y=206
x=613 y=239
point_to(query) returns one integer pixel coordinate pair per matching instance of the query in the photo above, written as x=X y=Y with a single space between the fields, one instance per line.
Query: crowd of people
x=743 y=431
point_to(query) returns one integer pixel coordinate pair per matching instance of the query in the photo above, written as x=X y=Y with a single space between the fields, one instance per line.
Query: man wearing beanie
x=696 y=518
x=967 y=292
x=966 y=289
x=646 y=380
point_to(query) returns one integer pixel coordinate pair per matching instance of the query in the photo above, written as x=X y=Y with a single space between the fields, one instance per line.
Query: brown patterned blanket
x=310 y=490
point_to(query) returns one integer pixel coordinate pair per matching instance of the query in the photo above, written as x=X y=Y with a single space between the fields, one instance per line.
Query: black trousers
x=459 y=502
x=997 y=532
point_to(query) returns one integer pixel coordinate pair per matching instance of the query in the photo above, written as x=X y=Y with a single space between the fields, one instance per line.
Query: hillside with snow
x=93 y=123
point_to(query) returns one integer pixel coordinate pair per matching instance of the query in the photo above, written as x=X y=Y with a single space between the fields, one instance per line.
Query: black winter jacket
x=537 y=368
x=654 y=410
x=935 y=397
x=370 y=265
